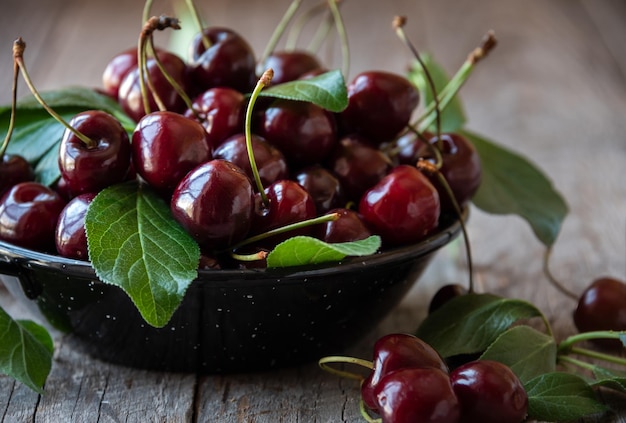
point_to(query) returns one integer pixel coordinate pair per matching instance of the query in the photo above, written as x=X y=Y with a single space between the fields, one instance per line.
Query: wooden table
x=553 y=90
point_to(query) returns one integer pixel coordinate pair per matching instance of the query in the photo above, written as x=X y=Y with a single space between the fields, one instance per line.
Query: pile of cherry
x=309 y=161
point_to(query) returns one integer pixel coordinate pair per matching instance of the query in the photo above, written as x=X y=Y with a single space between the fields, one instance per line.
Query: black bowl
x=229 y=320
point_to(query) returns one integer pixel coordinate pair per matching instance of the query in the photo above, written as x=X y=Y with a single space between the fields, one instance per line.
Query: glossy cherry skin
x=91 y=168
x=304 y=132
x=323 y=186
x=70 y=235
x=130 y=96
x=214 y=203
x=380 y=105
x=445 y=294
x=489 y=392
x=221 y=112
x=602 y=306
x=13 y=170
x=358 y=166
x=28 y=216
x=167 y=145
x=417 y=394
x=228 y=62
x=117 y=69
x=347 y=228
x=291 y=65
x=270 y=162
x=402 y=208
x=398 y=351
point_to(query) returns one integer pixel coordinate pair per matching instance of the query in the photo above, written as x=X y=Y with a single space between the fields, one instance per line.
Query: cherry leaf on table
x=528 y=352
x=471 y=323
x=135 y=243
x=25 y=351
x=512 y=185
x=303 y=250
x=561 y=397
x=327 y=90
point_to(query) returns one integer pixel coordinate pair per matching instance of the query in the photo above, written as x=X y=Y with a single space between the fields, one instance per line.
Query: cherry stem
x=296 y=29
x=5 y=142
x=598 y=355
x=553 y=280
x=291 y=227
x=196 y=17
x=259 y=255
x=321 y=34
x=398 y=24
x=147 y=7
x=278 y=32
x=18 y=56
x=325 y=361
x=264 y=81
x=366 y=415
x=343 y=36
x=568 y=344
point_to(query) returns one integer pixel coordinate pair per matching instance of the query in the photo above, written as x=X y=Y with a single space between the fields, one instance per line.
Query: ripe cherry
x=347 y=228
x=117 y=69
x=291 y=65
x=70 y=235
x=402 y=208
x=214 y=203
x=489 y=392
x=28 y=216
x=13 y=170
x=323 y=186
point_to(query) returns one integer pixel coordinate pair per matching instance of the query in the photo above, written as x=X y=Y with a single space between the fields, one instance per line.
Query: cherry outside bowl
x=229 y=320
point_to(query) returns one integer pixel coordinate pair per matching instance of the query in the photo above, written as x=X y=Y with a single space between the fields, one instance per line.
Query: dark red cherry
x=228 y=62
x=358 y=166
x=270 y=162
x=28 y=216
x=13 y=170
x=166 y=146
x=214 y=203
x=221 y=112
x=380 y=105
x=347 y=228
x=291 y=65
x=304 y=132
x=323 y=186
x=602 y=306
x=412 y=395
x=489 y=392
x=130 y=96
x=117 y=69
x=398 y=351
x=402 y=208
x=91 y=168
x=445 y=294
x=70 y=236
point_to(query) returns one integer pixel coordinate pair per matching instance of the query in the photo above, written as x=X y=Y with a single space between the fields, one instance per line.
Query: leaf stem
x=325 y=361
x=553 y=280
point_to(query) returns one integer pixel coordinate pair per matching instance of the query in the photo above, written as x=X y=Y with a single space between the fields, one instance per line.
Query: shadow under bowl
x=229 y=320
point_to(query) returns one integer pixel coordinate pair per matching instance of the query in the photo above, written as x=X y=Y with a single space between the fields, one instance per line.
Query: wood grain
x=554 y=90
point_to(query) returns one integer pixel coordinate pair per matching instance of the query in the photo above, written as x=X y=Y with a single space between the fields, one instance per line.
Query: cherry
x=380 y=105
x=270 y=162
x=489 y=392
x=228 y=62
x=221 y=113
x=445 y=294
x=398 y=351
x=323 y=186
x=402 y=208
x=28 y=216
x=167 y=145
x=214 y=203
x=70 y=236
x=116 y=70
x=94 y=165
x=358 y=166
x=130 y=95
x=602 y=306
x=304 y=132
x=417 y=394
x=13 y=170
x=347 y=228
x=291 y=65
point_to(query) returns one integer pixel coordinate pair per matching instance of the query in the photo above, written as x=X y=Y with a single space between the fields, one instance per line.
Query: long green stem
x=553 y=280
x=5 y=142
x=325 y=361
x=196 y=17
x=321 y=34
x=278 y=32
x=567 y=344
x=343 y=36
x=599 y=355
x=296 y=29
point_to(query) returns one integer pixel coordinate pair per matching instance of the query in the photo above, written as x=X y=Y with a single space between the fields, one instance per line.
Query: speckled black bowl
x=229 y=320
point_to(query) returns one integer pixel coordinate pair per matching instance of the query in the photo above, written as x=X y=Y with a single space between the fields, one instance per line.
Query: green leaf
x=470 y=323
x=303 y=250
x=561 y=397
x=135 y=243
x=452 y=117
x=528 y=352
x=512 y=185
x=608 y=378
x=25 y=351
x=327 y=90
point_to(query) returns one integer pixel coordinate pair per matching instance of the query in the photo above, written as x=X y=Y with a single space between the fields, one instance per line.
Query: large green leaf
x=512 y=185
x=135 y=243
x=25 y=351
